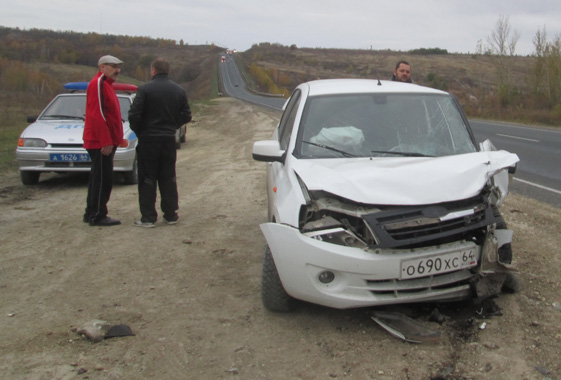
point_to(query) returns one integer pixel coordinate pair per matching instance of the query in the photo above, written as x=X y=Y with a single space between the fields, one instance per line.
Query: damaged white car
x=379 y=194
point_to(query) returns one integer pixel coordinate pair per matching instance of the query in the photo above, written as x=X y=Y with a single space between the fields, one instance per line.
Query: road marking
x=538 y=186
x=519 y=138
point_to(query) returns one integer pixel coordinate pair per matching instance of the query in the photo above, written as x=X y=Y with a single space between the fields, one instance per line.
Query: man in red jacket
x=103 y=133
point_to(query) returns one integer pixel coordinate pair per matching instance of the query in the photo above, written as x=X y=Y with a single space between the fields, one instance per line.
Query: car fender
x=284 y=194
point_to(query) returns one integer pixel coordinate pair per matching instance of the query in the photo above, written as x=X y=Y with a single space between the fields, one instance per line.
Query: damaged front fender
x=493 y=272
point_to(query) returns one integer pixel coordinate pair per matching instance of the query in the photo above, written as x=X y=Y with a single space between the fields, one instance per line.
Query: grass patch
x=8 y=141
x=214 y=83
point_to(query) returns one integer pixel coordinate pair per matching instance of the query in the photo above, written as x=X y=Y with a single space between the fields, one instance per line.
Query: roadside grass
x=214 y=83
x=8 y=141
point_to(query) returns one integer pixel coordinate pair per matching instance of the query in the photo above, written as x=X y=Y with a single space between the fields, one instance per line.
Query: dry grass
x=471 y=78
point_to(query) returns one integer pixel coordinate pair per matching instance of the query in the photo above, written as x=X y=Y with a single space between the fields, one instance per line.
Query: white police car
x=53 y=142
x=379 y=194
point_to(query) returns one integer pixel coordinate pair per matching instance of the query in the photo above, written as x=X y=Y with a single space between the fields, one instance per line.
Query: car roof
x=355 y=86
x=83 y=94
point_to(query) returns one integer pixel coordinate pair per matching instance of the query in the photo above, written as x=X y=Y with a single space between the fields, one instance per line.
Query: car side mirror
x=487 y=146
x=31 y=119
x=268 y=151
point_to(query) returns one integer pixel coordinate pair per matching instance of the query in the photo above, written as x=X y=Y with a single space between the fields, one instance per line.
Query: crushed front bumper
x=372 y=277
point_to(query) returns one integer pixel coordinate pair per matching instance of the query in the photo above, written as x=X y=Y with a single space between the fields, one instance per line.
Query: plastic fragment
x=405 y=328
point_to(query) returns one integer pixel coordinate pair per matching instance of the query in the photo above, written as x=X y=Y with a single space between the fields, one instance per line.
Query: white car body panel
x=300 y=260
x=404 y=180
x=68 y=132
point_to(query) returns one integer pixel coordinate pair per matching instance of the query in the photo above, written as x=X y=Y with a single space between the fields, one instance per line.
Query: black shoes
x=105 y=222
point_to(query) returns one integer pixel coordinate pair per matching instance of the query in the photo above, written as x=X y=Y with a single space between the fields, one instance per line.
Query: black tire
x=29 y=177
x=131 y=178
x=273 y=295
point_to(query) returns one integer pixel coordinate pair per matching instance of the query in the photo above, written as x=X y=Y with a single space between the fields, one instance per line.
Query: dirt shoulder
x=191 y=292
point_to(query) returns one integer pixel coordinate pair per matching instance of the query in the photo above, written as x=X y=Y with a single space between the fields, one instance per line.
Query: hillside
x=35 y=64
x=474 y=79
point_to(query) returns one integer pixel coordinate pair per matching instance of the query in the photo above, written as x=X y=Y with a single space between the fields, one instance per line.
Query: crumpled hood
x=404 y=180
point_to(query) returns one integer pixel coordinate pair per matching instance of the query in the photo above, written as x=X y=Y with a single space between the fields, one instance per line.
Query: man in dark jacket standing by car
x=158 y=110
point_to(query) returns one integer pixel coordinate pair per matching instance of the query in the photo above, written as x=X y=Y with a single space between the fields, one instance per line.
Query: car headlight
x=32 y=143
x=337 y=236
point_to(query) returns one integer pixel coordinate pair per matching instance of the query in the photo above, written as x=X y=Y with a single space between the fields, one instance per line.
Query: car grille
x=66 y=146
x=68 y=164
x=413 y=226
x=393 y=289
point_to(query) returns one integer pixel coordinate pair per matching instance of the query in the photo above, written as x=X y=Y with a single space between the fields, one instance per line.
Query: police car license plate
x=69 y=157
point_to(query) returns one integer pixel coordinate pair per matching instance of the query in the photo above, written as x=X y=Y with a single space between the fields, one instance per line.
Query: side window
x=287 y=121
x=125 y=105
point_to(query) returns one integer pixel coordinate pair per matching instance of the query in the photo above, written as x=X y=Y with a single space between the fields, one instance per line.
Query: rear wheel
x=273 y=295
x=131 y=178
x=29 y=177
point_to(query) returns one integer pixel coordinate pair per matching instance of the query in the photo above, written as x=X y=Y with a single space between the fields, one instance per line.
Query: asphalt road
x=538 y=174
x=234 y=86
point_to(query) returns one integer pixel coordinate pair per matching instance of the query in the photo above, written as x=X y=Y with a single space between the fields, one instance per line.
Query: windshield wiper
x=64 y=117
x=347 y=154
x=408 y=154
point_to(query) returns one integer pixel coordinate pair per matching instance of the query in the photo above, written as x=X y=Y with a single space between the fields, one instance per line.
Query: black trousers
x=100 y=185
x=156 y=169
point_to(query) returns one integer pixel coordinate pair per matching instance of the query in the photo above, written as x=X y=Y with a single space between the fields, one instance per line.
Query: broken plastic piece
x=405 y=328
x=94 y=330
x=119 y=330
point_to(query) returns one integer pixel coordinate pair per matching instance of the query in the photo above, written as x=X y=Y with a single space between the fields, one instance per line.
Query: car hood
x=404 y=180
x=59 y=131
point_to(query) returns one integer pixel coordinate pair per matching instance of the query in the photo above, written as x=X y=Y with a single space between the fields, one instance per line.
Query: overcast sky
x=454 y=25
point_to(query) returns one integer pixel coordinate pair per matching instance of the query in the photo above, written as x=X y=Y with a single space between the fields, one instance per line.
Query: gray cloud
x=409 y=24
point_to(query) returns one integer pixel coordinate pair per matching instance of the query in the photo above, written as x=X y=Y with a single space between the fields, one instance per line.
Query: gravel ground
x=191 y=292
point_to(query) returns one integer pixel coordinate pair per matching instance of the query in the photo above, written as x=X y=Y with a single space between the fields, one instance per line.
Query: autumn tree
x=502 y=45
x=546 y=80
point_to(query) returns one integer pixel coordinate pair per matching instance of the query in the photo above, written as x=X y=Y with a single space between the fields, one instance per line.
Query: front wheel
x=131 y=178
x=273 y=295
x=29 y=177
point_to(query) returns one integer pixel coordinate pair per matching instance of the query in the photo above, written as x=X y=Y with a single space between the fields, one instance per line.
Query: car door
x=276 y=173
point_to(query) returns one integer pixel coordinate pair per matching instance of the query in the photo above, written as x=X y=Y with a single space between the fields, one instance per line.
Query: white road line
x=518 y=138
x=538 y=186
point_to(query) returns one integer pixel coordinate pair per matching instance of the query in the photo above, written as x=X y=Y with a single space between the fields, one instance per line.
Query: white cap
x=110 y=60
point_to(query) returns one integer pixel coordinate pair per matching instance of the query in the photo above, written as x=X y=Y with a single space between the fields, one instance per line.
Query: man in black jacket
x=158 y=110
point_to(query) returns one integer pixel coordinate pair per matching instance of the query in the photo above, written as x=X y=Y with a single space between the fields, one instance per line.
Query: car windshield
x=74 y=107
x=382 y=125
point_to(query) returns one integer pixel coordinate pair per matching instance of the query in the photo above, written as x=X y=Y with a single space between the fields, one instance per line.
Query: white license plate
x=433 y=265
